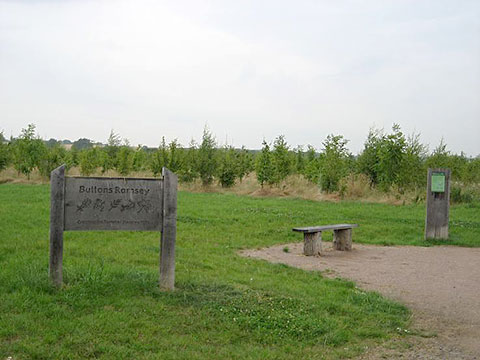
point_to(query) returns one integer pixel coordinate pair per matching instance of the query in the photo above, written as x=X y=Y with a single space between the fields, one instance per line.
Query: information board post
x=102 y=203
x=438 y=204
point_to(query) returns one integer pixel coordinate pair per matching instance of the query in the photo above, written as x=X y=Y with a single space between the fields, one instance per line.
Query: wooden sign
x=96 y=203
x=438 y=204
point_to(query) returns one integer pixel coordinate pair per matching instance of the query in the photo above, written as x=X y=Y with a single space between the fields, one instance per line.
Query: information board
x=438 y=182
x=113 y=204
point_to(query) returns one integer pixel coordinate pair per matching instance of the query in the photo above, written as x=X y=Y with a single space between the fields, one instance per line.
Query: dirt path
x=440 y=284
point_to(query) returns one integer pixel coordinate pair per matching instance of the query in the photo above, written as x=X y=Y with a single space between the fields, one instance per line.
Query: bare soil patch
x=440 y=284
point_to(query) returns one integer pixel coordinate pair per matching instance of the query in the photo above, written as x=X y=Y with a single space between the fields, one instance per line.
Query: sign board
x=113 y=204
x=96 y=203
x=438 y=182
x=438 y=204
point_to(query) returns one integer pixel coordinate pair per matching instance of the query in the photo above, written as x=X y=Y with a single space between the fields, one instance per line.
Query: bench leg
x=312 y=243
x=342 y=239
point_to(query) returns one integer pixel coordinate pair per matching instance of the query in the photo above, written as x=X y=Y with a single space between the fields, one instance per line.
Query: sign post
x=100 y=203
x=438 y=204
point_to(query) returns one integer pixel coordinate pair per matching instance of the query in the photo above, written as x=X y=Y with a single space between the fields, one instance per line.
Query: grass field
x=225 y=306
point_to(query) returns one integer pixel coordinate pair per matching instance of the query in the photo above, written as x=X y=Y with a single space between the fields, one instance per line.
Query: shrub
x=333 y=162
x=28 y=150
x=227 y=167
x=282 y=160
x=207 y=161
x=264 y=165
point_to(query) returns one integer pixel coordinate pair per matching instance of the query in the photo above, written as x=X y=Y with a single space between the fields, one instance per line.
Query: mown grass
x=225 y=306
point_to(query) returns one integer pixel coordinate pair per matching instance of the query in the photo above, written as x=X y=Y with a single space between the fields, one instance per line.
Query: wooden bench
x=312 y=237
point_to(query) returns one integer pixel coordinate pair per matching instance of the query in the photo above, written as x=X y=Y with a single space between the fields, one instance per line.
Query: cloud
x=249 y=69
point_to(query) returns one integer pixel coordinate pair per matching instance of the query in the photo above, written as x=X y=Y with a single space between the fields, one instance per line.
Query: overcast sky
x=249 y=69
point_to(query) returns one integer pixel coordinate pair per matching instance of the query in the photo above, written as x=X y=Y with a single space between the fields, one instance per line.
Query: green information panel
x=438 y=182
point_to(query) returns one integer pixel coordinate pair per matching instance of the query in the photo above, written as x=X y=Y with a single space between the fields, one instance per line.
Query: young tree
x=333 y=162
x=391 y=154
x=159 y=158
x=207 y=161
x=282 y=160
x=367 y=162
x=383 y=158
x=72 y=158
x=188 y=171
x=227 y=167
x=412 y=171
x=264 y=165
x=244 y=163
x=174 y=161
x=139 y=159
x=89 y=160
x=439 y=157
x=299 y=160
x=109 y=156
x=82 y=144
x=124 y=160
x=53 y=158
x=28 y=150
x=4 y=153
x=312 y=166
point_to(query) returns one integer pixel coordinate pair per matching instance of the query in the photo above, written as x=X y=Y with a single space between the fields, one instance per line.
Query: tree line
x=388 y=159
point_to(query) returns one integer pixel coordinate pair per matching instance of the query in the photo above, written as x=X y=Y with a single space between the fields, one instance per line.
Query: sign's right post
x=438 y=204
x=169 y=230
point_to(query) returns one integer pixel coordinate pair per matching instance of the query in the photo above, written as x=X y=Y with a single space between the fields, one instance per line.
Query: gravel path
x=440 y=284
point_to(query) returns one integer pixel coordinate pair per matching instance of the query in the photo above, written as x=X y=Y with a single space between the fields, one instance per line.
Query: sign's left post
x=57 y=214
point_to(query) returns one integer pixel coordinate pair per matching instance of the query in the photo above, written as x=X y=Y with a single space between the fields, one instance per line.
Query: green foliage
x=391 y=159
x=50 y=143
x=82 y=144
x=227 y=167
x=264 y=165
x=124 y=161
x=207 y=161
x=53 y=158
x=471 y=172
x=244 y=163
x=174 y=160
x=312 y=167
x=140 y=159
x=282 y=160
x=369 y=159
x=4 y=153
x=312 y=171
x=299 y=160
x=109 y=152
x=412 y=169
x=334 y=162
x=89 y=160
x=462 y=195
x=28 y=150
x=159 y=158
x=188 y=171
x=439 y=157
x=72 y=158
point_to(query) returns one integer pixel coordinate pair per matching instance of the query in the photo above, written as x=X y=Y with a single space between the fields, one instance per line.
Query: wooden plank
x=312 y=229
x=169 y=231
x=57 y=200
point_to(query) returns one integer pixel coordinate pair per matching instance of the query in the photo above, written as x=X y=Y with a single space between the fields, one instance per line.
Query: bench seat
x=312 y=237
